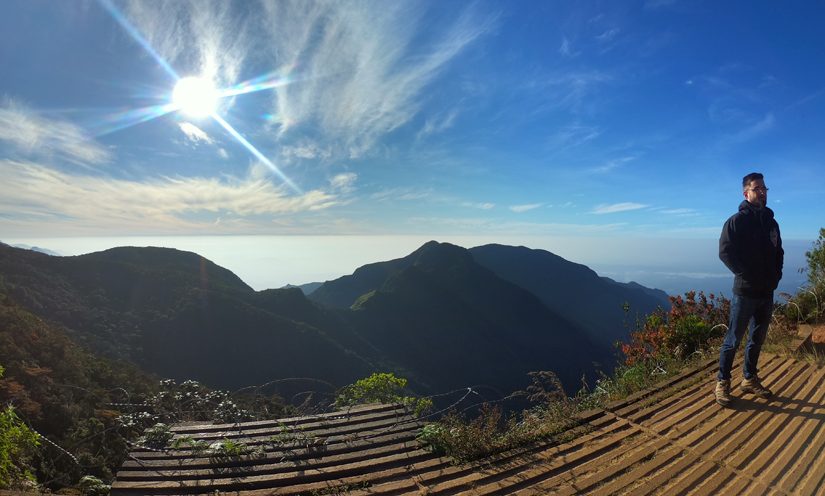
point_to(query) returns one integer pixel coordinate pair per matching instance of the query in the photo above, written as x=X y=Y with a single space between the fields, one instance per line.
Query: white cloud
x=617 y=207
x=161 y=204
x=207 y=38
x=405 y=194
x=753 y=130
x=565 y=49
x=36 y=136
x=223 y=153
x=574 y=91
x=573 y=135
x=438 y=124
x=306 y=150
x=607 y=35
x=194 y=133
x=362 y=70
x=474 y=225
x=679 y=211
x=344 y=182
x=525 y=208
x=612 y=164
x=657 y=4
x=354 y=71
x=481 y=206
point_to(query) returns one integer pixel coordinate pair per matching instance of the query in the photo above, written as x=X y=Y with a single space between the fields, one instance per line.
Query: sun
x=195 y=96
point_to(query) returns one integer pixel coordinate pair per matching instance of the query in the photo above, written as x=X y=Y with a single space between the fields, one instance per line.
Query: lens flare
x=129 y=118
x=135 y=34
x=195 y=97
x=254 y=151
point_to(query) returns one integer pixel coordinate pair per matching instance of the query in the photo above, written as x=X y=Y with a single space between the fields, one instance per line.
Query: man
x=750 y=246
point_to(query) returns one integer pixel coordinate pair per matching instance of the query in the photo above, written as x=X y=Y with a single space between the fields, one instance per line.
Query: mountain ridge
x=436 y=315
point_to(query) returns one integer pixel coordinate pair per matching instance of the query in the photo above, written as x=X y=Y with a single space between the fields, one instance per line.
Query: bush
x=90 y=485
x=489 y=432
x=381 y=388
x=816 y=261
x=17 y=447
x=691 y=325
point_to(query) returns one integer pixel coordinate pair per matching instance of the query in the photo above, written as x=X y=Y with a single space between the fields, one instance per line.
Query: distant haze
x=263 y=262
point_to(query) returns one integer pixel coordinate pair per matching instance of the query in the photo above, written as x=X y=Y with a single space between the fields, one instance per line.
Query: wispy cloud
x=157 y=204
x=208 y=38
x=438 y=124
x=474 y=225
x=33 y=135
x=607 y=35
x=194 y=133
x=806 y=99
x=571 y=90
x=573 y=135
x=362 y=70
x=741 y=110
x=612 y=164
x=344 y=183
x=617 y=207
x=658 y=4
x=682 y=212
x=565 y=49
x=753 y=130
x=306 y=150
x=524 y=208
x=480 y=206
x=404 y=194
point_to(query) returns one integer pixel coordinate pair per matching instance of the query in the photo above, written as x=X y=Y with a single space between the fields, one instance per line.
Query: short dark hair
x=753 y=176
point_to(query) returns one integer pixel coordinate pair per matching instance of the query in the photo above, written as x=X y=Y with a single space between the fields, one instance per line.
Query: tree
x=816 y=261
x=17 y=445
x=381 y=388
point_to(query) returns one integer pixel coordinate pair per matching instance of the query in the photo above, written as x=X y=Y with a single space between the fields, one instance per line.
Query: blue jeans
x=745 y=312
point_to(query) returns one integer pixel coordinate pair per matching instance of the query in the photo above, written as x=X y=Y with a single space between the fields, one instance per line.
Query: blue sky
x=605 y=124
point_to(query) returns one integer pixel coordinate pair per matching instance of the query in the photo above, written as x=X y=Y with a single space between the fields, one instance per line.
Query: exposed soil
x=818 y=334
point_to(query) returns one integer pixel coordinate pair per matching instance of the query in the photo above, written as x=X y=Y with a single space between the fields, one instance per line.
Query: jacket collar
x=747 y=208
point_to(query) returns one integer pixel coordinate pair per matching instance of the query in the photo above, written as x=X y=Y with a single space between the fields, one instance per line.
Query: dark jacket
x=750 y=246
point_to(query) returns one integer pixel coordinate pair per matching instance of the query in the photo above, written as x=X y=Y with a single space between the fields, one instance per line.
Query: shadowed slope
x=453 y=323
x=573 y=290
x=181 y=316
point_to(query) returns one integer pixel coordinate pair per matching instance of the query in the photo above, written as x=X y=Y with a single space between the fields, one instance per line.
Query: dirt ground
x=818 y=335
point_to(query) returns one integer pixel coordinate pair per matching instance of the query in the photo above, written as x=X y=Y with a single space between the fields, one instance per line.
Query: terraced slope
x=670 y=440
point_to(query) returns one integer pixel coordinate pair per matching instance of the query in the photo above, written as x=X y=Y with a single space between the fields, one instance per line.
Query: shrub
x=552 y=417
x=381 y=388
x=17 y=447
x=90 y=485
x=691 y=325
x=158 y=436
x=816 y=261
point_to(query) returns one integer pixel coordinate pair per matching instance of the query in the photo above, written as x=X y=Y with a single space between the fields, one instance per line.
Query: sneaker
x=722 y=393
x=753 y=386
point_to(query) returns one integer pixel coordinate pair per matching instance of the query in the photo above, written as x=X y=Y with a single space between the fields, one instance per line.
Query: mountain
x=65 y=393
x=37 y=248
x=307 y=288
x=178 y=315
x=443 y=316
x=451 y=322
x=572 y=290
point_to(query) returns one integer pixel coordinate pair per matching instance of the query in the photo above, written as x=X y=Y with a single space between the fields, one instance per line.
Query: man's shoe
x=753 y=386
x=722 y=393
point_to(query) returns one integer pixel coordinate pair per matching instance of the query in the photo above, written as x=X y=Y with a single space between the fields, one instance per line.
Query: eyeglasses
x=759 y=190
